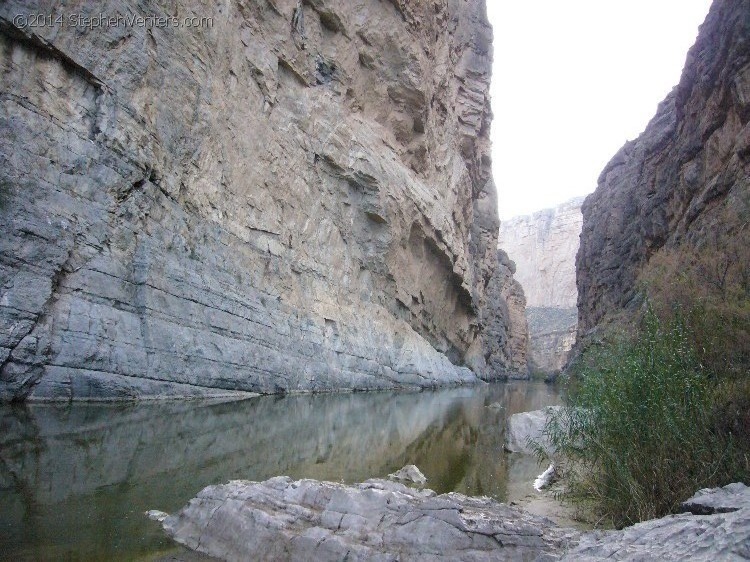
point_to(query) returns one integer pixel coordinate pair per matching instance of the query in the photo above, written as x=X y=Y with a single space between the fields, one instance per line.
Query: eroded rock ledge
x=378 y=520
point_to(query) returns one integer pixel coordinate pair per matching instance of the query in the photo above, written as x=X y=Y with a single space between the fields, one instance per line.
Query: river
x=75 y=480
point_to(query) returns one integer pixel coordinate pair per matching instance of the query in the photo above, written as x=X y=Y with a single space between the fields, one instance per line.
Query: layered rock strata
x=674 y=183
x=552 y=335
x=265 y=196
x=543 y=247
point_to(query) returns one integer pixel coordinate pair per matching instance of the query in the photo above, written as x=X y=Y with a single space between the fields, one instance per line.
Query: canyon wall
x=262 y=196
x=675 y=183
x=543 y=246
x=552 y=335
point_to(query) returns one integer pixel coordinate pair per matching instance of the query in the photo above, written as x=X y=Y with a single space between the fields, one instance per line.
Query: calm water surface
x=76 y=479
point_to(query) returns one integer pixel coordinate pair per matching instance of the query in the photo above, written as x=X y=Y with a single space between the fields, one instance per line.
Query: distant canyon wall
x=552 y=335
x=677 y=181
x=543 y=246
x=291 y=196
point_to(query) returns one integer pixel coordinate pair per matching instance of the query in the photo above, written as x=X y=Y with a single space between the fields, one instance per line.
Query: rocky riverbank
x=284 y=519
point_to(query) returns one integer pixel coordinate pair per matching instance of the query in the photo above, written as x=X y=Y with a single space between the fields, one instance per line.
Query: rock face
x=543 y=246
x=281 y=196
x=552 y=335
x=282 y=519
x=672 y=183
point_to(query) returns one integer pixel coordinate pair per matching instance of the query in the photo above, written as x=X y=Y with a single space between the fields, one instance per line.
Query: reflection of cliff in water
x=466 y=454
x=84 y=474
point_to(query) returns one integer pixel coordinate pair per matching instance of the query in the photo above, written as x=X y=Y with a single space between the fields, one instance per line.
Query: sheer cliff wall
x=261 y=196
x=544 y=245
x=674 y=183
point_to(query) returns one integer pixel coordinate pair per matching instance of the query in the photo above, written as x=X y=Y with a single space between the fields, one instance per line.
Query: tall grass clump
x=657 y=412
x=640 y=434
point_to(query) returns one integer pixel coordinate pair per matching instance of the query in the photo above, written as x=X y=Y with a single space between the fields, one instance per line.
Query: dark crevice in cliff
x=46 y=49
x=28 y=365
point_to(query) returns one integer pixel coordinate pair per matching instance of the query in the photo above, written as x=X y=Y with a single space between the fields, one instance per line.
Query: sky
x=572 y=81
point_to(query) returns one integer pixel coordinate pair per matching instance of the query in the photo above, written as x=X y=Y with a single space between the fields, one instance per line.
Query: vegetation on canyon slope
x=658 y=412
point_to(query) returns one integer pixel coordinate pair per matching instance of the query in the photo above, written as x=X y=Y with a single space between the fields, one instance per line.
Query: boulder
x=526 y=426
x=283 y=519
x=409 y=473
x=718 y=500
x=723 y=536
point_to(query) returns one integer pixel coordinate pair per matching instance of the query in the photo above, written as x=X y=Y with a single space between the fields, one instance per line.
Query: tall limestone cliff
x=674 y=183
x=543 y=246
x=274 y=195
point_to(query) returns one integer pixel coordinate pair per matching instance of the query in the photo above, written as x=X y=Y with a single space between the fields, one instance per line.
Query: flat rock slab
x=283 y=519
x=723 y=536
x=718 y=500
